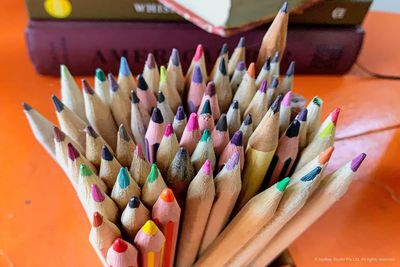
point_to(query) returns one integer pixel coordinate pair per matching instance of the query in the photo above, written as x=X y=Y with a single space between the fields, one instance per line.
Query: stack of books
x=324 y=38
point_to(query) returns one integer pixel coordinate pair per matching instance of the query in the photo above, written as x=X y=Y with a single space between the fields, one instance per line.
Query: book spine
x=84 y=46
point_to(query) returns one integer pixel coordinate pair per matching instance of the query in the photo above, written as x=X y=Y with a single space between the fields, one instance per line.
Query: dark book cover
x=85 y=45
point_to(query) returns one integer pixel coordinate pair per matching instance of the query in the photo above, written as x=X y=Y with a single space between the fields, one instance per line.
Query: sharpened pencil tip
x=267 y=64
x=275 y=107
x=97 y=194
x=123 y=178
x=251 y=71
x=124 y=67
x=263 y=87
x=163 y=74
x=73 y=153
x=237 y=138
x=324 y=157
x=274 y=83
x=134 y=202
x=207 y=167
x=113 y=85
x=275 y=59
x=150 y=61
x=199 y=52
x=160 y=97
x=206 y=107
x=119 y=245
x=91 y=132
x=26 y=106
x=356 y=162
x=293 y=129
x=86 y=87
x=302 y=116
x=210 y=89
x=290 y=70
x=222 y=124
x=235 y=104
x=311 y=175
x=248 y=120
x=169 y=130
x=57 y=103
x=287 y=99
x=106 y=153
x=180 y=114
x=242 y=42
x=282 y=184
x=335 y=115
x=222 y=67
x=142 y=84
x=192 y=124
x=134 y=98
x=123 y=134
x=167 y=195
x=233 y=161
x=84 y=170
x=100 y=75
x=317 y=101
x=197 y=75
x=205 y=136
x=156 y=116
x=241 y=66
x=149 y=228
x=153 y=175
x=59 y=135
x=224 y=49
x=175 y=57
x=284 y=7
x=97 y=219
x=139 y=151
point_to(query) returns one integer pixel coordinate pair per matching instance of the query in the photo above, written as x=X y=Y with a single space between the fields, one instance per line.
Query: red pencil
x=122 y=254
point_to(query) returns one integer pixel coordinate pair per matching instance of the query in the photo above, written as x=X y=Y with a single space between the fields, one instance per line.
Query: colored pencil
x=247 y=129
x=247 y=89
x=234 y=145
x=198 y=60
x=205 y=118
x=99 y=116
x=70 y=123
x=180 y=122
x=109 y=167
x=275 y=66
x=125 y=147
x=322 y=140
x=244 y=226
x=274 y=39
x=126 y=81
x=174 y=71
x=75 y=159
x=154 y=134
x=71 y=96
x=260 y=150
x=223 y=87
x=285 y=155
x=139 y=119
x=150 y=242
x=101 y=86
x=238 y=55
x=258 y=106
x=273 y=87
x=166 y=152
x=233 y=118
x=122 y=254
x=94 y=143
x=223 y=55
x=302 y=118
x=292 y=201
x=191 y=135
x=238 y=75
x=331 y=189
x=124 y=188
x=199 y=200
x=169 y=90
x=103 y=204
x=220 y=135
x=120 y=104
x=42 y=129
x=134 y=216
x=164 y=107
x=151 y=74
x=287 y=82
x=227 y=188
x=313 y=117
x=204 y=151
x=61 y=150
x=210 y=95
x=153 y=187
x=180 y=174
x=85 y=181
x=140 y=167
x=145 y=94
x=166 y=214
x=284 y=114
x=196 y=90
x=265 y=73
x=102 y=234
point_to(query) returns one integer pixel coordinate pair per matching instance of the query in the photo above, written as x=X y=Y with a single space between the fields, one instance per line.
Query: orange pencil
x=191 y=135
x=154 y=134
x=150 y=243
x=166 y=214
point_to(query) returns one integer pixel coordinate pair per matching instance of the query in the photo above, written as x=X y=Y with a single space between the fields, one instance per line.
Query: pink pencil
x=206 y=120
x=145 y=94
x=220 y=135
x=191 y=135
x=154 y=134
x=211 y=95
x=122 y=254
x=235 y=145
x=196 y=90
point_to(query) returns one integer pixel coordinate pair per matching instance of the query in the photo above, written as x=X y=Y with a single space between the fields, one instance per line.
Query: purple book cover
x=85 y=45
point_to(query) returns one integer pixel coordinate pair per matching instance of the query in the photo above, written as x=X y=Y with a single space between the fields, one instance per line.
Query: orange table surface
x=43 y=224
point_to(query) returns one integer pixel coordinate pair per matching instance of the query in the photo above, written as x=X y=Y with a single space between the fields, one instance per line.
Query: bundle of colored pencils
x=172 y=171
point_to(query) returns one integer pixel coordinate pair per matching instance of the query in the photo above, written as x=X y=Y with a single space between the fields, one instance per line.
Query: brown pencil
x=134 y=216
x=154 y=134
x=238 y=55
x=109 y=167
x=99 y=116
x=151 y=74
x=220 y=135
x=140 y=167
x=166 y=152
x=125 y=147
x=199 y=200
x=153 y=187
x=120 y=104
